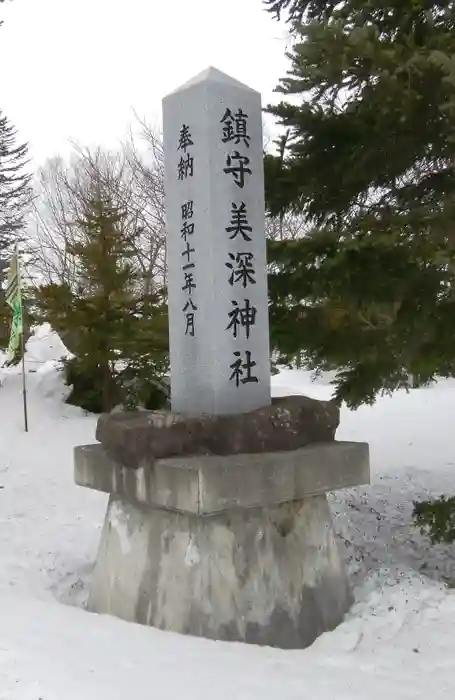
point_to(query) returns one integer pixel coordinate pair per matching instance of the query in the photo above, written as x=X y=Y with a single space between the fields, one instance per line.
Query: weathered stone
x=270 y=576
x=209 y=484
x=237 y=548
x=138 y=439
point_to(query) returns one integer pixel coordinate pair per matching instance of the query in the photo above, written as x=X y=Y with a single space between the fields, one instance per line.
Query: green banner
x=14 y=299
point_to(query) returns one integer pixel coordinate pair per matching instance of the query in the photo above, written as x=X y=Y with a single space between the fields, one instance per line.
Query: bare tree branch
x=288 y=227
x=134 y=179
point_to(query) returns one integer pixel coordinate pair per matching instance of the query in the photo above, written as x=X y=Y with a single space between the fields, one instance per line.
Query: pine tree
x=15 y=190
x=369 y=162
x=15 y=196
x=118 y=336
x=295 y=9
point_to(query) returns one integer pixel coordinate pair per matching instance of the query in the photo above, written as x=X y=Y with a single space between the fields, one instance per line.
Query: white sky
x=76 y=69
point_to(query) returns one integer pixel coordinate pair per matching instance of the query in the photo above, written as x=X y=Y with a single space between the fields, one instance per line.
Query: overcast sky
x=76 y=69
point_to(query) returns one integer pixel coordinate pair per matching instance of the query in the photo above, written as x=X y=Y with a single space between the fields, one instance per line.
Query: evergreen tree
x=295 y=9
x=369 y=162
x=15 y=189
x=118 y=335
x=15 y=196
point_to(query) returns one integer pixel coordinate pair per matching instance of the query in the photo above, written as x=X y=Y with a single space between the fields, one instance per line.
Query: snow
x=398 y=640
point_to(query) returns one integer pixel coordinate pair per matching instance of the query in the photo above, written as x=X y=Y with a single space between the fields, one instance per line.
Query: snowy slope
x=398 y=640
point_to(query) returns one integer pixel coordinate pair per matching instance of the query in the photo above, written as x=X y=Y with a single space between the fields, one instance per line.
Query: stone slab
x=204 y=485
x=268 y=576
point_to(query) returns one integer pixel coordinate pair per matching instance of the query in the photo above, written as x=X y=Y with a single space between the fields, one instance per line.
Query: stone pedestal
x=235 y=548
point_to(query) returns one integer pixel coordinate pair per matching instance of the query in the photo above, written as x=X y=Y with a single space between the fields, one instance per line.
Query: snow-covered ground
x=397 y=642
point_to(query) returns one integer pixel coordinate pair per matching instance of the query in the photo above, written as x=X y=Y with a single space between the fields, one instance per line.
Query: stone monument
x=218 y=523
x=218 y=306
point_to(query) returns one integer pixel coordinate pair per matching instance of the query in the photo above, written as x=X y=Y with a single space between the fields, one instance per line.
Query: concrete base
x=270 y=576
x=210 y=484
x=236 y=548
